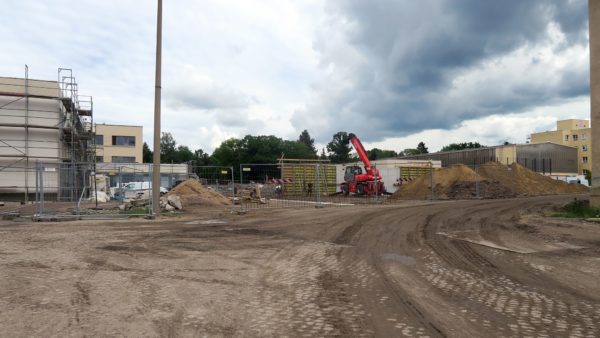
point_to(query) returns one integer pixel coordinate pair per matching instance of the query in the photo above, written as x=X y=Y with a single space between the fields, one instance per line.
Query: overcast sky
x=393 y=72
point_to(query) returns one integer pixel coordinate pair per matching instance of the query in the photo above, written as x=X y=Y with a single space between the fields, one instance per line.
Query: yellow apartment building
x=574 y=133
x=119 y=143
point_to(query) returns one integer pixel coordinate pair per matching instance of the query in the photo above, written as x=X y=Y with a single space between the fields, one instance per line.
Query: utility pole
x=157 y=89
x=594 y=31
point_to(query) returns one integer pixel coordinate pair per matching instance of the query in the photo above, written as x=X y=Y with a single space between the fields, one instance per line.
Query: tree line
x=269 y=149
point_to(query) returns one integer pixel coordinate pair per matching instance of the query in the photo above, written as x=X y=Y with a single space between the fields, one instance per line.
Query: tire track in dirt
x=516 y=302
x=392 y=310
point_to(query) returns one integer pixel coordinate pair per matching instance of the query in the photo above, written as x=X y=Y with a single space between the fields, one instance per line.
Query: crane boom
x=362 y=153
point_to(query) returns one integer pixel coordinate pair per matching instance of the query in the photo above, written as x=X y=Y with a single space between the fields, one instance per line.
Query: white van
x=141 y=186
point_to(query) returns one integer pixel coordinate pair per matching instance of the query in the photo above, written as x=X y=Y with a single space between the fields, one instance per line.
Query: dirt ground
x=455 y=268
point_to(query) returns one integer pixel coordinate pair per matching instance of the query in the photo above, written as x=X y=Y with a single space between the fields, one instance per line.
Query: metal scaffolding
x=44 y=121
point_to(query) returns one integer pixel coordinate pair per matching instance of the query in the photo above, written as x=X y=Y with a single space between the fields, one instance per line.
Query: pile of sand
x=495 y=181
x=193 y=193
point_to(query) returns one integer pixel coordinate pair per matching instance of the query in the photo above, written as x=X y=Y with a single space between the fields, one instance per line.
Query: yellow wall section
x=108 y=150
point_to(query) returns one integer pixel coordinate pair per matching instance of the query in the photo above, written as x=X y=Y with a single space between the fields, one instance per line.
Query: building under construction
x=44 y=126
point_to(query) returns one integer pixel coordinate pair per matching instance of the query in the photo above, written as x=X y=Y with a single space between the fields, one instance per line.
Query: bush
x=578 y=209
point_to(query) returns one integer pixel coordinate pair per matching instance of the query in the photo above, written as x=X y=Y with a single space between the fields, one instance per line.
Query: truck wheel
x=360 y=189
x=345 y=190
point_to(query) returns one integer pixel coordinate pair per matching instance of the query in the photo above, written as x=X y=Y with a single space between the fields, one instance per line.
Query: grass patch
x=577 y=209
x=139 y=211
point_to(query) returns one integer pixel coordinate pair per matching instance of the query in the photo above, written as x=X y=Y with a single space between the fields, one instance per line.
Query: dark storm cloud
x=411 y=53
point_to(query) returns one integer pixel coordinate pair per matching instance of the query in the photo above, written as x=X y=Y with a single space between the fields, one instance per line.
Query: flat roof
x=486 y=148
x=117 y=125
x=28 y=79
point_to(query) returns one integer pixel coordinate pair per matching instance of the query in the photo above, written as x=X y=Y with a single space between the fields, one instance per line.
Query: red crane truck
x=355 y=181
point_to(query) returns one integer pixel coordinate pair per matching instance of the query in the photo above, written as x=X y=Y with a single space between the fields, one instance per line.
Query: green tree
x=262 y=148
x=588 y=176
x=297 y=149
x=422 y=148
x=147 y=153
x=258 y=150
x=308 y=141
x=339 y=148
x=183 y=154
x=228 y=153
x=201 y=158
x=376 y=154
x=167 y=148
x=461 y=146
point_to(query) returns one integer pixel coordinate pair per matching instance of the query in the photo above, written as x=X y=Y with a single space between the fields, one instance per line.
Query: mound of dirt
x=193 y=193
x=443 y=181
x=492 y=180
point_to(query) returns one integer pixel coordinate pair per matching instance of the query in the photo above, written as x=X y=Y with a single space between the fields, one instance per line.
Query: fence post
x=477 y=181
x=376 y=184
x=233 y=194
x=41 y=210
x=431 y=179
x=318 y=183
x=37 y=186
x=241 y=184
x=120 y=179
x=150 y=206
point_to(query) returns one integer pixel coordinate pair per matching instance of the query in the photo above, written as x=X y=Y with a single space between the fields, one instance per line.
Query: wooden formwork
x=413 y=172
x=308 y=178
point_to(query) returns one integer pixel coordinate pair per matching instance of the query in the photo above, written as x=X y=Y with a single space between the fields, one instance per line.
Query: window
x=128 y=141
x=584 y=159
x=566 y=137
x=575 y=137
x=99 y=159
x=123 y=159
x=584 y=147
x=99 y=140
x=583 y=136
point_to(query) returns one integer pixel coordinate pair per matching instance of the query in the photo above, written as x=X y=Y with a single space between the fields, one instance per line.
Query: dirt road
x=466 y=268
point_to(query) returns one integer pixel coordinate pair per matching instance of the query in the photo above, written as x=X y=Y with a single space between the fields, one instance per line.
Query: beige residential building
x=574 y=133
x=119 y=143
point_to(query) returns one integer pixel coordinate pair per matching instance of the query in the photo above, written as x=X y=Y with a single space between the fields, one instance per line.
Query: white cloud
x=232 y=68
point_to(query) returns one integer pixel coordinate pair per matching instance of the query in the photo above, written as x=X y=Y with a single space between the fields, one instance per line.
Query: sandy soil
x=492 y=180
x=458 y=269
x=193 y=193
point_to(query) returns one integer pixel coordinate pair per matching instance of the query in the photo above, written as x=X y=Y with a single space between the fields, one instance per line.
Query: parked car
x=142 y=186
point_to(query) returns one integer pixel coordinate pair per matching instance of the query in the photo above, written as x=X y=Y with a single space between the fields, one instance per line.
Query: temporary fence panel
x=220 y=179
x=77 y=190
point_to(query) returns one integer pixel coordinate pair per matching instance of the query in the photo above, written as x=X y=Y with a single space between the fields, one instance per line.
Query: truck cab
x=351 y=172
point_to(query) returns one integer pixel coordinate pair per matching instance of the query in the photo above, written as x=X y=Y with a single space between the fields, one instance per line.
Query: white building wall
x=42 y=144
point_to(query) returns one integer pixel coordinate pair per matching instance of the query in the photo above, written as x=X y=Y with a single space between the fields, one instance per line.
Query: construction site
x=100 y=236
x=416 y=247
x=301 y=248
